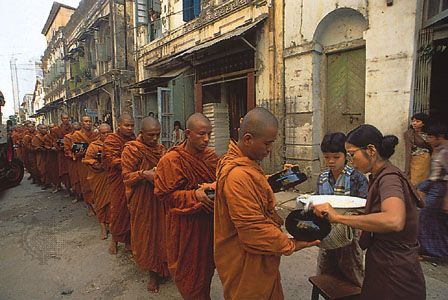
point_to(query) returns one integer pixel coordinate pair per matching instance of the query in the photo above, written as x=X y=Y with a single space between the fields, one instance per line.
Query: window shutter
x=142 y=12
x=196 y=7
x=187 y=10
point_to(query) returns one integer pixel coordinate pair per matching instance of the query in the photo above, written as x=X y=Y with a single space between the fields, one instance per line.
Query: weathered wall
x=389 y=61
x=60 y=20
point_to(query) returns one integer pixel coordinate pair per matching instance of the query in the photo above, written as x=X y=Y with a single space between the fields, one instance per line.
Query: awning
x=237 y=32
x=156 y=80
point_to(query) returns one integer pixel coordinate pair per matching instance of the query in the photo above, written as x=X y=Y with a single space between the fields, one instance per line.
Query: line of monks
x=155 y=202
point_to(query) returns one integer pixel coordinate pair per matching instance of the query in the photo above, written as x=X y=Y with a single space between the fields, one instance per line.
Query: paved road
x=50 y=249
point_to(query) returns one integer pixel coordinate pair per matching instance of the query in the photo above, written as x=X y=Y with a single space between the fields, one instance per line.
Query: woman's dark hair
x=422 y=117
x=177 y=123
x=365 y=135
x=333 y=143
x=438 y=130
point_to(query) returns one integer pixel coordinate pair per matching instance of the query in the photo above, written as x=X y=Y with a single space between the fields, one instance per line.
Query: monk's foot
x=127 y=248
x=113 y=247
x=104 y=232
x=90 y=212
x=153 y=283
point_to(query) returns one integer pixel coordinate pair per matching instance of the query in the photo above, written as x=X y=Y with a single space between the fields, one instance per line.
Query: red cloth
x=97 y=179
x=147 y=213
x=189 y=226
x=82 y=136
x=119 y=213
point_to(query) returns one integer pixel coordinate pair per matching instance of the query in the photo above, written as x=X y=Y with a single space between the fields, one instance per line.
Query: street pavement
x=51 y=249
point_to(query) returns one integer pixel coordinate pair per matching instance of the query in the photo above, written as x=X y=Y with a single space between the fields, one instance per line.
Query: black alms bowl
x=306 y=226
x=286 y=179
x=78 y=147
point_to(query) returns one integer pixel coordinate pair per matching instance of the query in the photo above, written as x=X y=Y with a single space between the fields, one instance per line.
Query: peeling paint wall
x=389 y=44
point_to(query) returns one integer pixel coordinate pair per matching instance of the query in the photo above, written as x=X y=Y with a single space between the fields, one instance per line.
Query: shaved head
x=150 y=131
x=125 y=118
x=257 y=121
x=150 y=123
x=258 y=132
x=197 y=119
x=104 y=127
x=76 y=126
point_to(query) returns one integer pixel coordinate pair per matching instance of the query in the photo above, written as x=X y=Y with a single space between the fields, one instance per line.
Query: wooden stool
x=331 y=287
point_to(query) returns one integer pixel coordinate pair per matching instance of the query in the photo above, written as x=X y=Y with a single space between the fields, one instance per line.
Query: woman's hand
x=326 y=211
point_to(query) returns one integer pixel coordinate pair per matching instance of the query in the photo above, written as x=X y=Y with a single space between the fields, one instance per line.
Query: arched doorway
x=342 y=69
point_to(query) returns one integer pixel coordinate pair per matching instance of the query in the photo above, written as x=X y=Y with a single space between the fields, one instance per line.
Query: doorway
x=345 y=101
x=438 y=101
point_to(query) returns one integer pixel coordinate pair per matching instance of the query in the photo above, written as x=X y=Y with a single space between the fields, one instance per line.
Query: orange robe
x=189 y=226
x=60 y=131
x=119 y=213
x=97 y=178
x=51 y=163
x=147 y=214
x=248 y=239
x=37 y=145
x=82 y=170
x=71 y=165
x=27 y=151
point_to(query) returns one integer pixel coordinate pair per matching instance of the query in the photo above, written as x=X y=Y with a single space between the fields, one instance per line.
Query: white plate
x=335 y=201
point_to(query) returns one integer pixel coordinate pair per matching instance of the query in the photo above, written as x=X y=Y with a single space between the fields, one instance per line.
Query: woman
x=178 y=134
x=390 y=221
x=417 y=155
x=433 y=225
x=341 y=179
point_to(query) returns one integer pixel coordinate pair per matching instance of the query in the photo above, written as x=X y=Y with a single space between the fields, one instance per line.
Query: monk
x=97 y=178
x=180 y=176
x=147 y=214
x=85 y=135
x=71 y=164
x=29 y=154
x=119 y=213
x=60 y=131
x=248 y=239
x=51 y=163
x=38 y=147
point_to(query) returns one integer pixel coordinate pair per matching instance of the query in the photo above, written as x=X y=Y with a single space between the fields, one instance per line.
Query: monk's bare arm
x=259 y=234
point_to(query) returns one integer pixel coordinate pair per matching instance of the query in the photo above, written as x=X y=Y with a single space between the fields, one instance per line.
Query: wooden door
x=165 y=104
x=237 y=93
x=346 y=77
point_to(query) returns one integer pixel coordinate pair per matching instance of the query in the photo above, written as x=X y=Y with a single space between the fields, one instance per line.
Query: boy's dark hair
x=438 y=130
x=333 y=143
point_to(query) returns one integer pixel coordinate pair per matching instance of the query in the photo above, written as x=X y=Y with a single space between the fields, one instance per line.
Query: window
x=435 y=11
x=191 y=9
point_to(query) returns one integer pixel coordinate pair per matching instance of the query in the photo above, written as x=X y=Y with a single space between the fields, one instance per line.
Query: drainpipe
x=125 y=19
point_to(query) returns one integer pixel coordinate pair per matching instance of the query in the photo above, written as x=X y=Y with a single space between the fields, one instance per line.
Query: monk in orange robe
x=60 y=131
x=138 y=161
x=182 y=176
x=51 y=162
x=86 y=135
x=97 y=178
x=71 y=166
x=248 y=239
x=26 y=144
x=119 y=213
x=37 y=146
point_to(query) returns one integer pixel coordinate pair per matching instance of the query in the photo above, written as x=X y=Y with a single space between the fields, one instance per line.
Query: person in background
x=389 y=225
x=341 y=179
x=178 y=134
x=433 y=221
x=417 y=149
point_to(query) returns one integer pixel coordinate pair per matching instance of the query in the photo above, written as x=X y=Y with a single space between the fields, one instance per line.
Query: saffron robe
x=147 y=213
x=51 y=163
x=119 y=213
x=82 y=136
x=71 y=165
x=189 y=231
x=248 y=239
x=97 y=178
x=37 y=145
x=59 y=132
